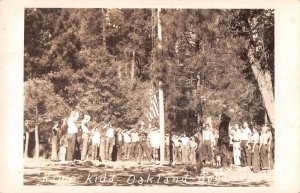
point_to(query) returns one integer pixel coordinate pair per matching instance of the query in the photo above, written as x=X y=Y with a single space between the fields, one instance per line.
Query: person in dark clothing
x=224 y=139
x=143 y=148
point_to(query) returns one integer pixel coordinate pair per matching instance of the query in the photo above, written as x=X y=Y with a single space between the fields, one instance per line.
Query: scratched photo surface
x=149 y=97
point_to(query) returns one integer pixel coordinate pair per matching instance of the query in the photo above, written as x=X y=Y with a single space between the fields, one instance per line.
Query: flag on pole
x=153 y=113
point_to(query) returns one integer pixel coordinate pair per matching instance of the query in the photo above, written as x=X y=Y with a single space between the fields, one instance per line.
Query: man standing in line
x=127 y=143
x=85 y=136
x=134 y=143
x=119 y=144
x=265 y=147
x=236 y=139
x=72 y=134
x=245 y=150
x=110 y=141
x=207 y=138
x=199 y=140
x=184 y=147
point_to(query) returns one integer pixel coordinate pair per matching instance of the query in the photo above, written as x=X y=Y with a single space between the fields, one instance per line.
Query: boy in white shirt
x=96 y=138
x=85 y=136
x=236 y=139
x=72 y=134
x=134 y=143
x=245 y=149
x=110 y=141
x=127 y=143
x=207 y=143
x=176 y=149
x=184 y=147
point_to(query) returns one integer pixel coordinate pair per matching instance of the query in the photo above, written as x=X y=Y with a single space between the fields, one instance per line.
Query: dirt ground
x=121 y=173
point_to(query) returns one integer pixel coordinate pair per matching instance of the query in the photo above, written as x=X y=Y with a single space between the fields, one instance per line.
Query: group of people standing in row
x=243 y=146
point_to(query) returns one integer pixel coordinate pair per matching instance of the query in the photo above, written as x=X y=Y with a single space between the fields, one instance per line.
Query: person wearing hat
x=85 y=136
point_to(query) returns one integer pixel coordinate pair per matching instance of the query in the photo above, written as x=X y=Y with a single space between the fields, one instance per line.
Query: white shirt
x=255 y=137
x=135 y=137
x=127 y=138
x=156 y=139
x=264 y=138
x=184 y=140
x=176 y=142
x=193 y=144
x=96 y=137
x=110 y=132
x=150 y=136
x=84 y=128
x=246 y=132
x=237 y=135
x=72 y=127
x=207 y=135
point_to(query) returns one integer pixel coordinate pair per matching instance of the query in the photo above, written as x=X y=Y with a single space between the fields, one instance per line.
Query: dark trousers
x=226 y=157
x=167 y=147
x=144 y=149
x=246 y=155
x=256 y=159
x=71 y=138
x=176 y=154
x=264 y=156
x=199 y=156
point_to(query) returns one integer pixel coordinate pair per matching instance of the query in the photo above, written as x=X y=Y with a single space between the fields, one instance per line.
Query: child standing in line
x=63 y=148
x=96 y=137
x=192 y=150
x=176 y=149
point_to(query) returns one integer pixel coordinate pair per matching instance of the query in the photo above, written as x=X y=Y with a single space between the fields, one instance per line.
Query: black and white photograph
x=147 y=97
x=152 y=97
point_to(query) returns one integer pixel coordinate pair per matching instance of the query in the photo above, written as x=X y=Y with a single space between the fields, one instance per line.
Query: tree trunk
x=132 y=67
x=199 y=116
x=103 y=28
x=37 y=143
x=266 y=89
x=54 y=156
x=26 y=144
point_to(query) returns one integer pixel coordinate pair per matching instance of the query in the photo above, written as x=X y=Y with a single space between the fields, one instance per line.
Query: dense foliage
x=103 y=62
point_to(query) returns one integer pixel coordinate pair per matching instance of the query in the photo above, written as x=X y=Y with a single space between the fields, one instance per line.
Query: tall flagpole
x=161 y=96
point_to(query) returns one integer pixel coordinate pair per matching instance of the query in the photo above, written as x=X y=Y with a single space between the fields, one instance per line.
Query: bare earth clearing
x=120 y=173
